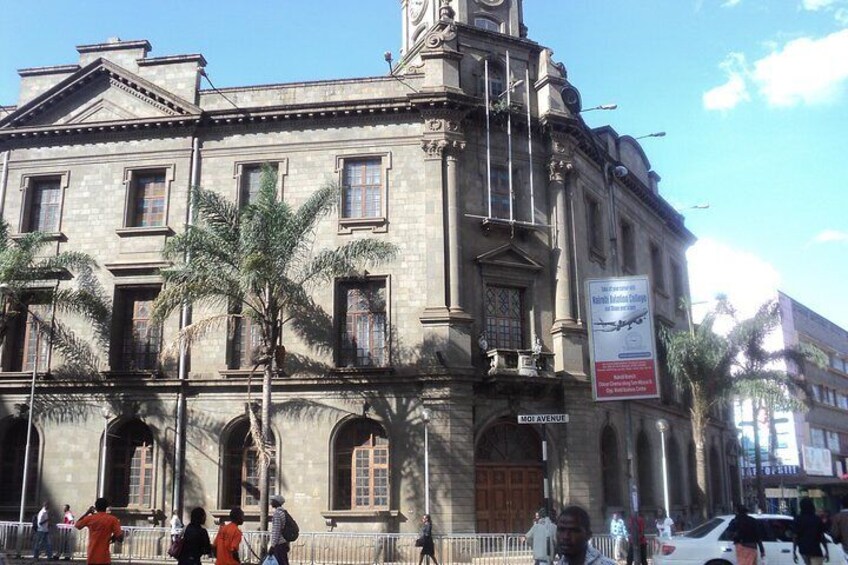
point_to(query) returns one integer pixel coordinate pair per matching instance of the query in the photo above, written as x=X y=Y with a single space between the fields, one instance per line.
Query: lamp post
x=662 y=428
x=425 y=416
x=101 y=491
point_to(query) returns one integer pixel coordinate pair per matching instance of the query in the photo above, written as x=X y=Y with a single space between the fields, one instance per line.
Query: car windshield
x=704 y=528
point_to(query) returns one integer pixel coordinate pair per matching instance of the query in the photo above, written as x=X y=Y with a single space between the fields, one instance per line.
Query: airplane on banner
x=635 y=318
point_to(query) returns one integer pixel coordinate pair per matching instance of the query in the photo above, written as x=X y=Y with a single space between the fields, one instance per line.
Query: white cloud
x=814 y=5
x=805 y=71
x=732 y=92
x=717 y=268
x=730 y=3
x=830 y=236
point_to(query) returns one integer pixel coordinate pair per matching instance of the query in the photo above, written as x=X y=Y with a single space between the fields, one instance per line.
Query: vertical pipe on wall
x=488 y=141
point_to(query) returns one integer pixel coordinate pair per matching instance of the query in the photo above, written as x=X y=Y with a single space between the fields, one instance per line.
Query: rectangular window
x=148 y=194
x=677 y=286
x=628 y=247
x=836 y=363
x=500 y=192
x=251 y=181
x=594 y=227
x=833 y=441
x=371 y=481
x=817 y=393
x=45 y=201
x=363 y=324
x=817 y=437
x=504 y=317
x=657 y=270
x=26 y=342
x=140 y=339
x=362 y=188
x=842 y=401
x=141 y=476
x=246 y=338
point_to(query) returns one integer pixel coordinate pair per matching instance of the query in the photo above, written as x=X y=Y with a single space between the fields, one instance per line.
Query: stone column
x=557 y=171
x=434 y=227
x=454 y=219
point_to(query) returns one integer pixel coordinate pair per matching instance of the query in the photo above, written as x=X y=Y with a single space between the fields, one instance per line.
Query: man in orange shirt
x=226 y=544
x=103 y=529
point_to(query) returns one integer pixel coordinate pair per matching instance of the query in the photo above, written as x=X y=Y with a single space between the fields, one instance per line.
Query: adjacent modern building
x=472 y=158
x=803 y=453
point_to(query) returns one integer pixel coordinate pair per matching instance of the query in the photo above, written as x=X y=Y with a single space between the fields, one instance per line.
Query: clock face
x=416 y=9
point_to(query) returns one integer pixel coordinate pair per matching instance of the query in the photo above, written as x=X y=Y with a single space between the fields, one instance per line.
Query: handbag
x=176 y=547
x=270 y=560
x=419 y=542
x=291 y=530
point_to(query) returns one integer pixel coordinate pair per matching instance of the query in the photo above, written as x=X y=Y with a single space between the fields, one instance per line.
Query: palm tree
x=25 y=270
x=700 y=362
x=762 y=379
x=259 y=263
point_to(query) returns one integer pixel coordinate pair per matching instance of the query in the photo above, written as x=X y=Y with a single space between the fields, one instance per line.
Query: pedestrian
x=103 y=529
x=618 y=531
x=637 y=536
x=542 y=538
x=279 y=545
x=573 y=534
x=747 y=538
x=839 y=526
x=42 y=533
x=228 y=539
x=425 y=540
x=67 y=531
x=176 y=525
x=809 y=535
x=195 y=539
x=665 y=525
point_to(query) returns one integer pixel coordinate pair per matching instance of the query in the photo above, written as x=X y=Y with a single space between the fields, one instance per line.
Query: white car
x=711 y=543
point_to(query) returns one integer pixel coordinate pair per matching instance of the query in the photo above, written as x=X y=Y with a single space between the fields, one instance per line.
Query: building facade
x=803 y=453
x=473 y=159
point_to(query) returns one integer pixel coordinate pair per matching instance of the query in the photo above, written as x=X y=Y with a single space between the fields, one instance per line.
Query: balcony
x=520 y=362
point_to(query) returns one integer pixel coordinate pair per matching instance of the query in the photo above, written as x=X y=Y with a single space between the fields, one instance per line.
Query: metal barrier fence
x=150 y=545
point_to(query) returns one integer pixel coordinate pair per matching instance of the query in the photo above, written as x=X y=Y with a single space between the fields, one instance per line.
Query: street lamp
x=101 y=491
x=662 y=428
x=425 y=416
x=600 y=107
x=655 y=134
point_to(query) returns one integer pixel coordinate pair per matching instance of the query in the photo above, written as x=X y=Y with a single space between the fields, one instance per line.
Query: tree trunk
x=758 y=460
x=699 y=423
x=264 y=463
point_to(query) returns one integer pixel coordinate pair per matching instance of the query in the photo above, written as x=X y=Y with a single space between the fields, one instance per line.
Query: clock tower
x=499 y=16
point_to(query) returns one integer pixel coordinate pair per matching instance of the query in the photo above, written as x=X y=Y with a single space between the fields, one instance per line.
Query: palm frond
x=193 y=333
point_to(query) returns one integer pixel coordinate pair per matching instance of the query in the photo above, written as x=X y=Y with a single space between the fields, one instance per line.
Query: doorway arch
x=508 y=477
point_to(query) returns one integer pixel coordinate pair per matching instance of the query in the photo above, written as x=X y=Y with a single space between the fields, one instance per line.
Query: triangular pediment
x=510 y=256
x=100 y=92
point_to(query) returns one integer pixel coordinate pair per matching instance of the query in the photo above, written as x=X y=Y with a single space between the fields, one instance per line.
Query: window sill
x=138 y=232
x=376 y=225
x=362 y=370
x=244 y=373
x=353 y=515
x=48 y=236
x=130 y=374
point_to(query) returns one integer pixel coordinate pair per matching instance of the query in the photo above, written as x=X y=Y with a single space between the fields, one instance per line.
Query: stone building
x=498 y=225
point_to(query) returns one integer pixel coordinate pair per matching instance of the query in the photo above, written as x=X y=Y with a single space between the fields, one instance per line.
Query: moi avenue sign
x=543 y=418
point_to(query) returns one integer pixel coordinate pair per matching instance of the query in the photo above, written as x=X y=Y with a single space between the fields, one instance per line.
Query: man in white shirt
x=665 y=525
x=42 y=533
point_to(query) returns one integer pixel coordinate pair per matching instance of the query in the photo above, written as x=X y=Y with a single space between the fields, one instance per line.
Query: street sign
x=543 y=418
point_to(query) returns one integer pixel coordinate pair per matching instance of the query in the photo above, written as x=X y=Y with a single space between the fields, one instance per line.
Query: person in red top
x=637 y=535
x=103 y=529
x=226 y=544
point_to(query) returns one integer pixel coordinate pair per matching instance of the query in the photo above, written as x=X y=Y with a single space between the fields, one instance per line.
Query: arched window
x=488 y=24
x=361 y=453
x=645 y=471
x=12 y=450
x=241 y=468
x=675 y=473
x=610 y=467
x=129 y=451
x=716 y=490
x=497 y=83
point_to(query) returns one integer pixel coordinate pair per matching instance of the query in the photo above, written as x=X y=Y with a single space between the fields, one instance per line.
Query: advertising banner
x=621 y=338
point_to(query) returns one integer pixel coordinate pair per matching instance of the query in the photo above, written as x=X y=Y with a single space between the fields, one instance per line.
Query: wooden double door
x=507 y=496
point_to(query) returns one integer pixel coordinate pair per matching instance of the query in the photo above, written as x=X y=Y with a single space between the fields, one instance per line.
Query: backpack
x=291 y=530
x=35 y=522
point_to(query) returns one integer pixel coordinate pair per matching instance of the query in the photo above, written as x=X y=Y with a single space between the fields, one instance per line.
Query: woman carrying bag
x=425 y=540
x=195 y=540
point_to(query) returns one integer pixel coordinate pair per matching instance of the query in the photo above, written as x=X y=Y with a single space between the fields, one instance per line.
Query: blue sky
x=753 y=95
